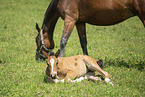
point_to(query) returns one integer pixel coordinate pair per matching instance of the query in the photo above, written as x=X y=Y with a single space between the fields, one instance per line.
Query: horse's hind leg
x=81 y=28
x=139 y=9
x=68 y=26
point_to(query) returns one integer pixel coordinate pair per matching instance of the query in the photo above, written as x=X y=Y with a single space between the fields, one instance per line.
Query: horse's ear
x=37 y=27
x=57 y=53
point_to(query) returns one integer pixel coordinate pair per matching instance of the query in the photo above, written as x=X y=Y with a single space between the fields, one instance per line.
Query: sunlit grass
x=122 y=48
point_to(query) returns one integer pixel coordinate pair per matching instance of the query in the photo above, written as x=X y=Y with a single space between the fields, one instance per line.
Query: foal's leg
x=95 y=78
x=91 y=76
x=96 y=67
x=69 y=23
x=70 y=76
x=81 y=28
x=93 y=66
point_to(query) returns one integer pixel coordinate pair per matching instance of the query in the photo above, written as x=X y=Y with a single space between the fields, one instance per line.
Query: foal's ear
x=37 y=27
x=57 y=53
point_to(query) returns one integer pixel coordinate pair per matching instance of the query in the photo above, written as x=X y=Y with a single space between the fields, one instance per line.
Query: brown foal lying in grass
x=69 y=69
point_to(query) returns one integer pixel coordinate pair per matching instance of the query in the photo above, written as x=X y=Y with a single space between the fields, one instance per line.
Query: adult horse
x=80 y=12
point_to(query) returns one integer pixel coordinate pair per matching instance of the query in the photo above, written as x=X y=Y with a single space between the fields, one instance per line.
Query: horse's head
x=44 y=42
x=52 y=65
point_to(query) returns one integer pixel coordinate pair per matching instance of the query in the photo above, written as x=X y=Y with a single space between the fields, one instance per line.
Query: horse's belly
x=107 y=20
x=106 y=12
x=106 y=17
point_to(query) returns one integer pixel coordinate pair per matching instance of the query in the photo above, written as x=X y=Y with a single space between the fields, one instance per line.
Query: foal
x=69 y=68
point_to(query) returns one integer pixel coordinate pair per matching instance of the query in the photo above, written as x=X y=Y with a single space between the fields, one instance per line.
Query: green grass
x=122 y=47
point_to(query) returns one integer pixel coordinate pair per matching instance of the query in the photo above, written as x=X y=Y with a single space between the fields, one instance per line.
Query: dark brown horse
x=80 y=12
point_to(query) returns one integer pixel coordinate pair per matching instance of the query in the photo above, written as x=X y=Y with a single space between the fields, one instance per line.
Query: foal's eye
x=57 y=65
x=47 y=64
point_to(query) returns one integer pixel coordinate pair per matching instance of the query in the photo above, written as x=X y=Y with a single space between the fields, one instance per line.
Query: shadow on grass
x=0 y=61
x=48 y=80
x=123 y=62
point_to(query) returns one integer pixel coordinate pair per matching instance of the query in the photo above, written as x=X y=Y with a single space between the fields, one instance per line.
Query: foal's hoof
x=107 y=80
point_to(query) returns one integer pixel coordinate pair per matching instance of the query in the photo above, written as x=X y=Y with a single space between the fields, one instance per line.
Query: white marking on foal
x=52 y=63
x=56 y=80
x=78 y=79
x=107 y=80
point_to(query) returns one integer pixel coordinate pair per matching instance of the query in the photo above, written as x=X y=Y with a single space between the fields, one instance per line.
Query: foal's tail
x=101 y=63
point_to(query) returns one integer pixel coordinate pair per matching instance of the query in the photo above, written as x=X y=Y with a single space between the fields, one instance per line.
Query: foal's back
x=73 y=63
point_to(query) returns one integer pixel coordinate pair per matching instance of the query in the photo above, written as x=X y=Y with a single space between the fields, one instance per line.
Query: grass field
x=122 y=48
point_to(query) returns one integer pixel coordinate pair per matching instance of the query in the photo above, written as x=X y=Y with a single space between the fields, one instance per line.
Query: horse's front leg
x=68 y=27
x=81 y=28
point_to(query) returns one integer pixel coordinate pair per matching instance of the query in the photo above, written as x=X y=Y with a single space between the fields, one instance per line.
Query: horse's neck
x=51 y=17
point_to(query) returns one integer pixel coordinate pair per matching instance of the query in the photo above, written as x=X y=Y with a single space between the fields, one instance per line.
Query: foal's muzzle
x=53 y=76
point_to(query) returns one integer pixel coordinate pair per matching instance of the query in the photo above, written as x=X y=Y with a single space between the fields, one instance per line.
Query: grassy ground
x=122 y=47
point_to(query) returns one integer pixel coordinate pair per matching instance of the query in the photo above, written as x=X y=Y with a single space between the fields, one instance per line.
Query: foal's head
x=44 y=42
x=52 y=65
